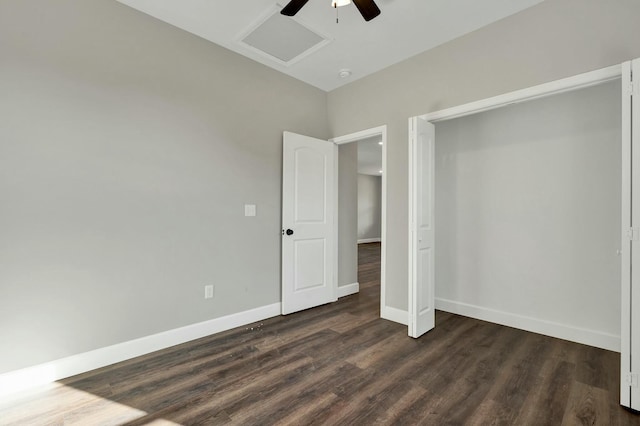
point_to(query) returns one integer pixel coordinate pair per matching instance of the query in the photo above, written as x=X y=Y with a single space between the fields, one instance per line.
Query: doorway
x=361 y=159
x=369 y=215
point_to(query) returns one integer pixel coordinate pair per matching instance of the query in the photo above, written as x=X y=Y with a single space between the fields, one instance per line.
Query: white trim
x=383 y=227
x=625 y=248
x=395 y=315
x=631 y=363
x=42 y=374
x=547 y=89
x=336 y=204
x=362 y=134
x=353 y=137
x=548 y=328
x=369 y=240
x=413 y=202
x=348 y=289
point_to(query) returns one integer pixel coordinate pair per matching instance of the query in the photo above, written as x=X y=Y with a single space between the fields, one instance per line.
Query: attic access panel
x=282 y=39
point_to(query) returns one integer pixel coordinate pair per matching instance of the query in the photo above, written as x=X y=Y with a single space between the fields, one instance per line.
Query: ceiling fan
x=368 y=8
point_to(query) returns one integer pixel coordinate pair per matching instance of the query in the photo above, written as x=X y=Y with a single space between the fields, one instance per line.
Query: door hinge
x=632 y=380
x=634 y=234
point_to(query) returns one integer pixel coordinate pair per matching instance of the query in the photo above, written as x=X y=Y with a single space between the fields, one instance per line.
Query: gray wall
x=552 y=40
x=528 y=209
x=347 y=214
x=369 y=206
x=127 y=150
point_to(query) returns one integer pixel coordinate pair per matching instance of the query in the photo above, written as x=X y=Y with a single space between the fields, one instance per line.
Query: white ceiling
x=404 y=29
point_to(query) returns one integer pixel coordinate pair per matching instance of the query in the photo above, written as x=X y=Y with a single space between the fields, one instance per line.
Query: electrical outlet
x=208 y=292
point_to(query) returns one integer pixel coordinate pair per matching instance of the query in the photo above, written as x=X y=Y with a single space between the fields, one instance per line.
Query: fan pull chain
x=335 y=6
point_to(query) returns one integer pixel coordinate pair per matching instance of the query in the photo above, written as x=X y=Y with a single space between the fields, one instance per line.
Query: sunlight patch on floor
x=163 y=422
x=80 y=408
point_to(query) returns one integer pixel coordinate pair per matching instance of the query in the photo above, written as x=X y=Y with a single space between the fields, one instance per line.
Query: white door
x=421 y=222
x=630 y=288
x=308 y=222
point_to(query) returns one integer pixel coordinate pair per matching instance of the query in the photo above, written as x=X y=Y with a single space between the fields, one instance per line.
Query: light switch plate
x=249 y=209
x=208 y=292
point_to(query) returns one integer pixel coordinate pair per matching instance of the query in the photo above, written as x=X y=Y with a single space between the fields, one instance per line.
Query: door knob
x=289 y=231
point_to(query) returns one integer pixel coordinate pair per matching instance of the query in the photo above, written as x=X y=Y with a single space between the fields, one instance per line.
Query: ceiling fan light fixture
x=340 y=3
x=367 y=8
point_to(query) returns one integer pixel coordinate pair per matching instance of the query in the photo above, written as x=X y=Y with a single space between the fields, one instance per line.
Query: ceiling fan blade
x=368 y=9
x=293 y=7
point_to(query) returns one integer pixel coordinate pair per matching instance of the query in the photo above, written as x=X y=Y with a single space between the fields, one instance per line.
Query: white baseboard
x=562 y=331
x=346 y=290
x=395 y=315
x=369 y=240
x=42 y=374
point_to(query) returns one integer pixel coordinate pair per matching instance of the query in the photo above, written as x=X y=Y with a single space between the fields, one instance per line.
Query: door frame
x=354 y=137
x=630 y=346
x=580 y=81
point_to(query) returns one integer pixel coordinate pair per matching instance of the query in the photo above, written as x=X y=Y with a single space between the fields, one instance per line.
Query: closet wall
x=528 y=214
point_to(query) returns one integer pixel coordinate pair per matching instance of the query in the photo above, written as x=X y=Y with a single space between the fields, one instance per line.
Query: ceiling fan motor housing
x=367 y=8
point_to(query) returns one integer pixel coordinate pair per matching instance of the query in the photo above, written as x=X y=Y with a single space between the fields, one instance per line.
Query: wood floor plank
x=590 y=367
x=282 y=336
x=304 y=414
x=376 y=352
x=282 y=399
x=425 y=411
x=398 y=406
x=511 y=388
x=340 y=364
x=547 y=402
x=475 y=378
x=588 y=405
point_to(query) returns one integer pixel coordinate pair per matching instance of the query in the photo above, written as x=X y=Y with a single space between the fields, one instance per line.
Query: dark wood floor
x=340 y=364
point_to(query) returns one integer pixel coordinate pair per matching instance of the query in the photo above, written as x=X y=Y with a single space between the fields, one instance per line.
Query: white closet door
x=422 y=232
x=630 y=303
